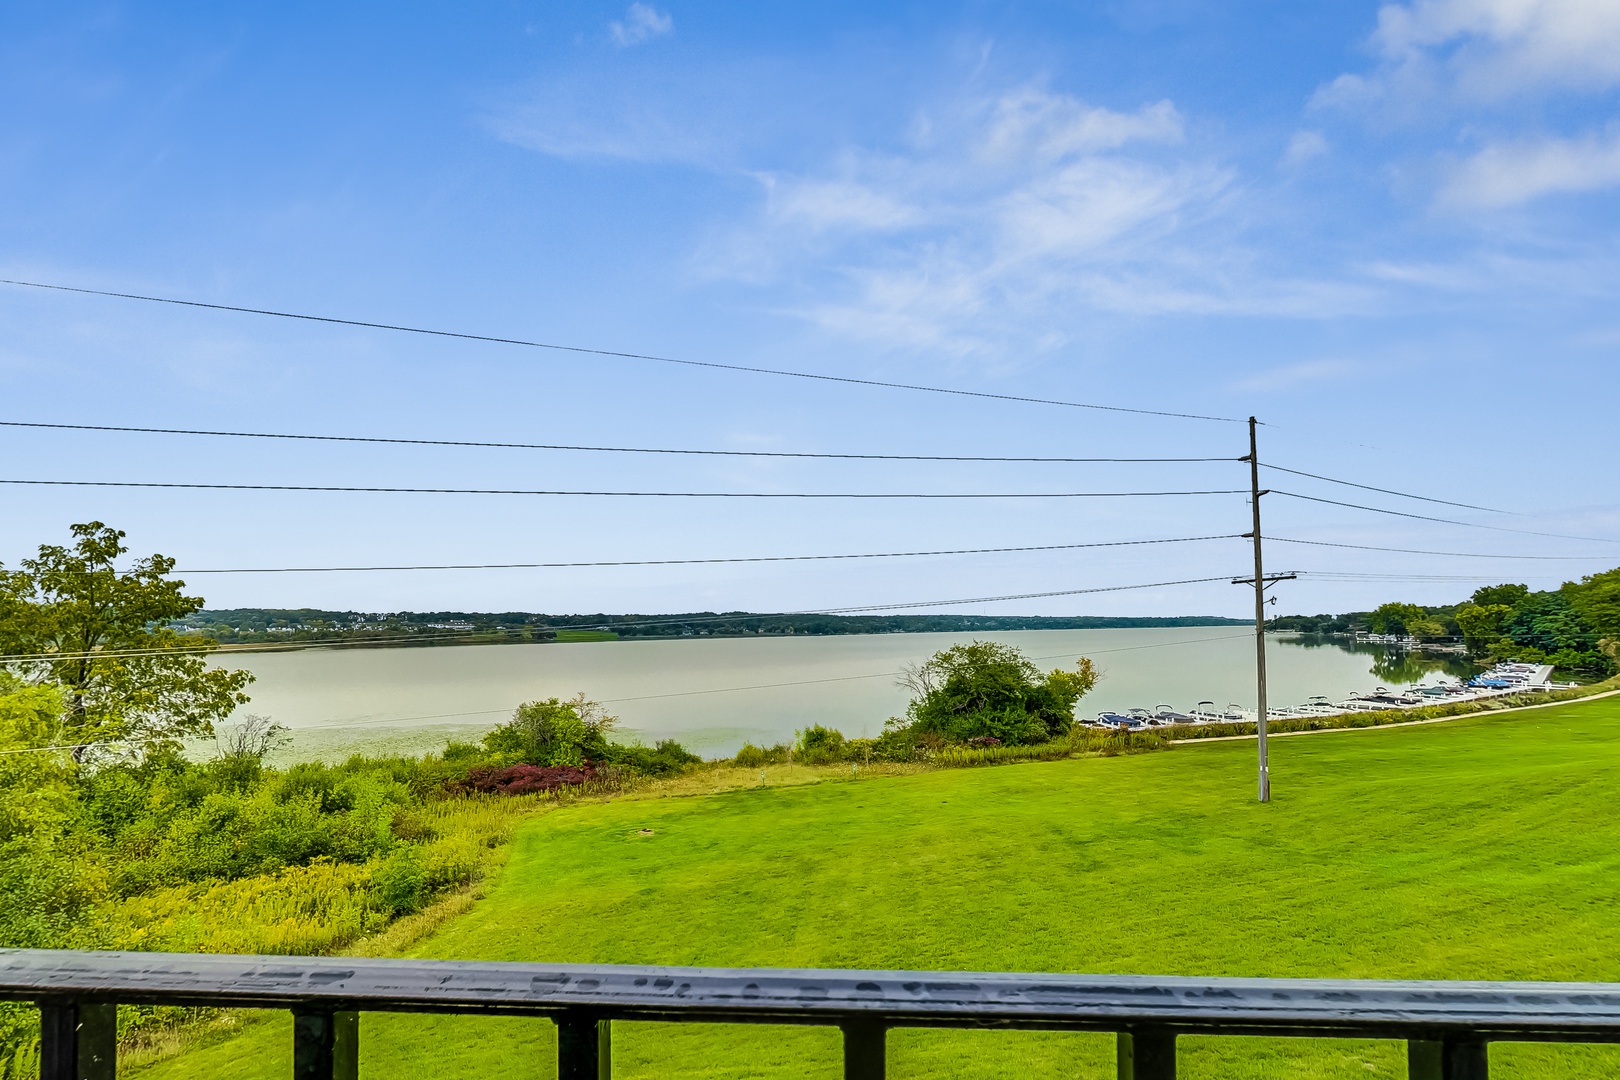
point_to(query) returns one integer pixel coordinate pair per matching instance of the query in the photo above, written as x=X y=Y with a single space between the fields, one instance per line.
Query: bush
x=400 y=882
x=667 y=758
x=986 y=690
x=819 y=745
x=553 y=733
x=525 y=779
x=754 y=757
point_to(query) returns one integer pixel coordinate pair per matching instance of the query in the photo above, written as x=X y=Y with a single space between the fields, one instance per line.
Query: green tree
x=104 y=636
x=47 y=885
x=1547 y=621
x=1596 y=598
x=1426 y=627
x=1482 y=624
x=1489 y=595
x=1394 y=618
x=985 y=689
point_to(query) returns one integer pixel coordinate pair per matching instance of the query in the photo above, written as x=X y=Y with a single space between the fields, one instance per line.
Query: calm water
x=714 y=694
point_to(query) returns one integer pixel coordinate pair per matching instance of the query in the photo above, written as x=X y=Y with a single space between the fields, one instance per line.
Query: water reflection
x=1390 y=663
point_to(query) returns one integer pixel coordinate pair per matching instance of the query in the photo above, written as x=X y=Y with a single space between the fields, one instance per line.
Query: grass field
x=587 y=635
x=1482 y=848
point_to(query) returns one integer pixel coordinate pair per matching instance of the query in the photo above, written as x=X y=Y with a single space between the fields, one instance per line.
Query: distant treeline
x=1575 y=628
x=243 y=626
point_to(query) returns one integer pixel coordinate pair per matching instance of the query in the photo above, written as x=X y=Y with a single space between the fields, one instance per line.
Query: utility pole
x=1260 y=582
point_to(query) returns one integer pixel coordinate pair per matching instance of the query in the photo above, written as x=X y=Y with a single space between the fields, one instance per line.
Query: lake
x=714 y=694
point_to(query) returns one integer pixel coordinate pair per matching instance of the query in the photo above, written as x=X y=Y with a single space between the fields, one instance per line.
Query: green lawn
x=1481 y=848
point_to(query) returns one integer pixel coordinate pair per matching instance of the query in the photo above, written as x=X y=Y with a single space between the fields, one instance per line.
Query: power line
x=1390 y=491
x=623 y=494
x=1443 y=521
x=700 y=562
x=1338 y=575
x=50 y=657
x=603 y=449
x=1016 y=596
x=331 y=320
x=1424 y=551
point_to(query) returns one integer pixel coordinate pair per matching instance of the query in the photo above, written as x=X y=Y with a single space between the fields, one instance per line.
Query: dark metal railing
x=1447 y=1025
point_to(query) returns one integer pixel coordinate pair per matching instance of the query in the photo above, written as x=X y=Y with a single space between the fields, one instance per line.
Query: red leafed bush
x=984 y=740
x=525 y=779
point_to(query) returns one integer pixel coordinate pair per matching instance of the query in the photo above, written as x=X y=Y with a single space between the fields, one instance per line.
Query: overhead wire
x=360 y=489
x=617 y=354
x=391 y=441
x=700 y=562
x=1390 y=491
x=1344 y=575
x=1443 y=521
x=1428 y=551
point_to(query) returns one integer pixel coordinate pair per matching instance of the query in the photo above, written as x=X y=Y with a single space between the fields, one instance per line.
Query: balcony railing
x=1447 y=1026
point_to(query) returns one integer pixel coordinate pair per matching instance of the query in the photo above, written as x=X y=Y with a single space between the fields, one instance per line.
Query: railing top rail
x=1590 y=1011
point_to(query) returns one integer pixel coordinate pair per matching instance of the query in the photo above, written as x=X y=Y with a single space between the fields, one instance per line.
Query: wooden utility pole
x=1260 y=582
x=1259 y=614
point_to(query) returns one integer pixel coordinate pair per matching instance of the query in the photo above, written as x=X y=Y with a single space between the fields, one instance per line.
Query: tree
x=1596 y=598
x=1426 y=627
x=986 y=689
x=1547 y=621
x=72 y=619
x=1489 y=595
x=1394 y=618
x=1482 y=624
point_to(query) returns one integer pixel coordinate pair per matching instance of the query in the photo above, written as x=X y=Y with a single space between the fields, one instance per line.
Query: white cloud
x=1509 y=173
x=1002 y=222
x=641 y=23
x=1492 y=48
x=1031 y=123
x=1304 y=146
x=838 y=204
x=1291 y=375
x=1481 y=51
x=1475 y=59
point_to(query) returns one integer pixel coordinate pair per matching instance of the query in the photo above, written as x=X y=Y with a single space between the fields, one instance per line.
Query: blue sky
x=1389 y=231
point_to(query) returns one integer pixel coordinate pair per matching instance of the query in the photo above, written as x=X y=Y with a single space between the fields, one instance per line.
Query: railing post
x=1423 y=1060
x=326 y=1045
x=865 y=1050
x=1146 y=1053
x=78 y=1042
x=1455 y=1058
x=584 y=1048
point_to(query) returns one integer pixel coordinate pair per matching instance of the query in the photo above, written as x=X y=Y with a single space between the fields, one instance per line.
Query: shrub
x=525 y=779
x=819 y=745
x=753 y=757
x=985 y=690
x=553 y=733
x=665 y=759
x=400 y=882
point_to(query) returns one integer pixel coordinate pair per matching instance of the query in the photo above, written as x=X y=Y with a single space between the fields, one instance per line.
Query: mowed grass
x=1483 y=848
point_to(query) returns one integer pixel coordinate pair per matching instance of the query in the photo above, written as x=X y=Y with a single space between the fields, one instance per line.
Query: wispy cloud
x=642 y=22
x=1292 y=375
x=1305 y=146
x=1003 y=220
x=1432 y=53
x=1510 y=173
x=1493 y=48
x=1473 y=64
